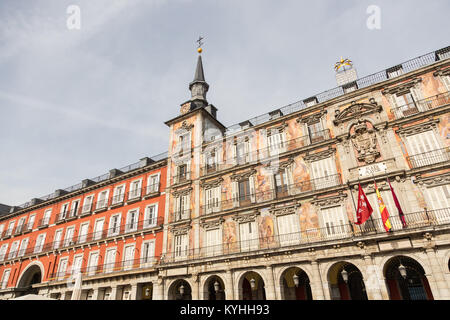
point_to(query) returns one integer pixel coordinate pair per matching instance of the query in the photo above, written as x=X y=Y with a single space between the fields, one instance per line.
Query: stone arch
x=406 y=279
x=295 y=289
x=346 y=281
x=210 y=285
x=413 y=256
x=180 y=289
x=249 y=291
x=32 y=274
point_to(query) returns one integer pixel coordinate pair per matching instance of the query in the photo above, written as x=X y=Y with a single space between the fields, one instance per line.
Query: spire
x=199 y=75
x=198 y=86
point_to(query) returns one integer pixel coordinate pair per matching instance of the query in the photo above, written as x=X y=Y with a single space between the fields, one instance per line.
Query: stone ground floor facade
x=365 y=268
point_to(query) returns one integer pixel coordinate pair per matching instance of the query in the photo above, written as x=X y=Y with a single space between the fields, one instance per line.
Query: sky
x=75 y=103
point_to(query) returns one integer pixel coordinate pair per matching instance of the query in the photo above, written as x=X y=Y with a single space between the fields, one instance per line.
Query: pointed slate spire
x=198 y=86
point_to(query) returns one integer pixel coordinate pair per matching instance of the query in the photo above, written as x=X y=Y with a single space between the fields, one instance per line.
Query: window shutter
x=446 y=81
x=290 y=181
x=235 y=193
x=251 y=181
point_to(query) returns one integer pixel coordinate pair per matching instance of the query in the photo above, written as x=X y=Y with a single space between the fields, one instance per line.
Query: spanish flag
x=383 y=210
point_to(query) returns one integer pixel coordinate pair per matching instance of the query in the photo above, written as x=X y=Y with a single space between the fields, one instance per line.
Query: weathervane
x=342 y=63
x=200 y=43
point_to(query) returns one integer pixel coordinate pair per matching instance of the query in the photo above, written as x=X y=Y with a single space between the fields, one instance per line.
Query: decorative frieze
x=279 y=128
x=330 y=200
x=181 y=230
x=311 y=118
x=248 y=217
x=284 y=210
x=211 y=183
x=405 y=86
x=432 y=181
x=418 y=128
x=212 y=224
x=320 y=155
x=182 y=192
x=356 y=111
x=243 y=175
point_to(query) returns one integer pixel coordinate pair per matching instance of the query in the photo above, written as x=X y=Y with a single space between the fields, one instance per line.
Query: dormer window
x=310 y=102
x=349 y=87
x=394 y=71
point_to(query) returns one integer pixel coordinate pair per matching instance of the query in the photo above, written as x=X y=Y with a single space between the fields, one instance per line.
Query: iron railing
x=152 y=188
x=423 y=105
x=279 y=192
x=180 y=215
x=429 y=158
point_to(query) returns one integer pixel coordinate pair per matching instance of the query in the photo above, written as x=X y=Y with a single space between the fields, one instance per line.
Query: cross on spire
x=199 y=41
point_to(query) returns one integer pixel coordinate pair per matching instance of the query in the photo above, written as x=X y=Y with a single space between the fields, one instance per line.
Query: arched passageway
x=31 y=276
x=295 y=285
x=406 y=280
x=180 y=290
x=346 y=282
x=251 y=287
x=214 y=289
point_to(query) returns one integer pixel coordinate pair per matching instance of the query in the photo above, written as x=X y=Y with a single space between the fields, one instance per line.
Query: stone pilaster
x=316 y=282
x=438 y=276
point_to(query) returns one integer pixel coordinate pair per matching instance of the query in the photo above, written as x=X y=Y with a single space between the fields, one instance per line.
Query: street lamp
x=181 y=289
x=402 y=270
x=147 y=292
x=252 y=283
x=295 y=280
x=216 y=286
x=344 y=275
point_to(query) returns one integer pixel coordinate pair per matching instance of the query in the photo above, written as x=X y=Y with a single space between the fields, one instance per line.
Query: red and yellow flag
x=383 y=211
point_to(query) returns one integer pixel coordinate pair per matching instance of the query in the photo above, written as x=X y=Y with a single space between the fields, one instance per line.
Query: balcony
x=278 y=192
x=134 y=195
x=18 y=230
x=43 y=223
x=429 y=158
x=424 y=105
x=101 y=205
x=265 y=153
x=72 y=214
x=152 y=190
x=181 y=178
x=86 y=210
x=117 y=200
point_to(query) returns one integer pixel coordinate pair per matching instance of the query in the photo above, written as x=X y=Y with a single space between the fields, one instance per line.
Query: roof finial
x=200 y=43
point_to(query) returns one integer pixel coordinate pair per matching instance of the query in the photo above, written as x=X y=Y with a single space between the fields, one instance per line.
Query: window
x=13 y=250
x=275 y=142
x=245 y=191
x=87 y=204
x=135 y=189
x=2 y=227
x=5 y=278
x=84 y=228
x=74 y=210
x=77 y=264
x=31 y=222
x=153 y=183
x=181 y=173
x=438 y=200
x=184 y=141
x=39 y=243
x=110 y=260
x=69 y=236
x=128 y=257
x=10 y=228
x=316 y=132
x=211 y=161
x=132 y=220
x=119 y=193
x=213 y=197
x=248 y=236
x=47 y=215
x=181 y=246
x=182 y=207
x=334 y=221
x=446 y=81
x=93 y=263
x=424 y=149
x=23 y=247
x=288 y=229
x=213 y=242
x=62 y=268
x=114 y=225
x=20 y=225
x=98 y=229
x=281 y=183
x=102 y=200
x=64 y=209
x=324 y=173
x=3 y=250
x=241 y=151
x=57 y=238
x=150 y=217
x=148 y=251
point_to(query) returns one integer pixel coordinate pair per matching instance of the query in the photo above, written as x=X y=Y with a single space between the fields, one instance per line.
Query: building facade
x=261 y=210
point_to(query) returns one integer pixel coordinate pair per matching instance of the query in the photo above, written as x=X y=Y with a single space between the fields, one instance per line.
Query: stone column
x=158 y=289
x=229 y=290
x=113 y=294
x=195 y=287
x=316 y=282
x=442 y=289
x=371 y=280
x=270 y=286
x=133 y=292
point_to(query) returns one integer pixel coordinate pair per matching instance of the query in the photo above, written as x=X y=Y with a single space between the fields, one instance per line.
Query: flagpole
x=354 y=207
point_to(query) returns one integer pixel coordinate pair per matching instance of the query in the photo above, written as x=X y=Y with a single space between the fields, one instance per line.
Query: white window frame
x=23 y=247
x=249 y=241
x=115 y=194
x=75 y=268
x=153 y=187
x=102 y=202
x=127 y=264
x=91 y=201
x=62 y=267
x=83 y=237
x=10 y=229
x=57 y=242
x=98 y=234
x=276 y=143
x=181 y=246
x=69 y=241
x=107 y=264
x=14 y=250
x=213 y=242
x=74 y=212
x=148 y=259
x=39 y=243
x=47 y=216
x=289 y=231
x=150 y=222
x=5 y=278
x=135 y=192
x=324 y=173
x=334 y=227
x=91 y=267
x=64 y=210
x=3 y=250
x=118 y=226
x=213 y=197
x=31 y=221
x=134 y=226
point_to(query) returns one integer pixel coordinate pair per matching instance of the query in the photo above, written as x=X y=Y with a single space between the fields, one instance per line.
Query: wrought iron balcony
x=181 y=215
x=117 y=199
x=134 y=195
x=181 y=177
x=152 y=188
x=86 y=210
x=423 y=105
x=429 y=158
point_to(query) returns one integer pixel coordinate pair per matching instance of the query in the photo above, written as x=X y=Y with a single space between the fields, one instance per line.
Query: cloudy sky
x=76 y=103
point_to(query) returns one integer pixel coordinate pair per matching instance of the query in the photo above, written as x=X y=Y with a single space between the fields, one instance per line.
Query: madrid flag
x=383 y=210
x=364 y=209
